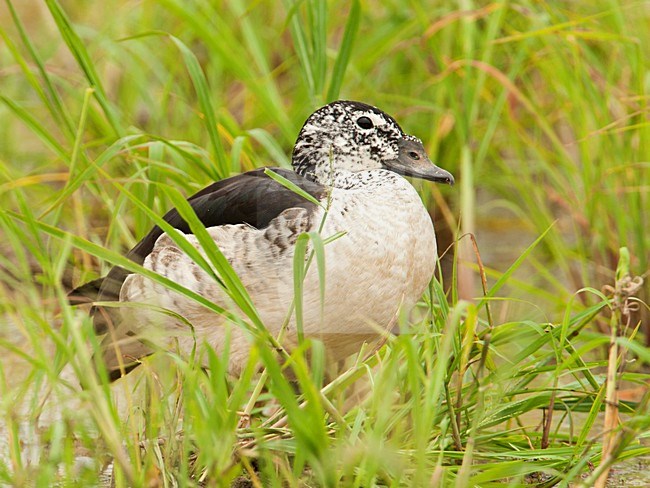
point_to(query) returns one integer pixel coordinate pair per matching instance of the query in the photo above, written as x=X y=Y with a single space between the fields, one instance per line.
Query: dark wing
x=251 y=198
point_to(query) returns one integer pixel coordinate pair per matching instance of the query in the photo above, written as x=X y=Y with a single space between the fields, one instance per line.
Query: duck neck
x=328 y=172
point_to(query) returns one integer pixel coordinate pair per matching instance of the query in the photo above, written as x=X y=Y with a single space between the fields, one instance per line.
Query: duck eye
x=365 y=123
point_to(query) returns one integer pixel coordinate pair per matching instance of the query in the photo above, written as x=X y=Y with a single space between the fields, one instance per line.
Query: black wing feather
x=251 y=198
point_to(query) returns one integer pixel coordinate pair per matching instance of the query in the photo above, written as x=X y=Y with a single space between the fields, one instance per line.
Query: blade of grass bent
x=108 y=154
x=513 y=267
x=291 y=186
x=172 y=232
x=227 y=278
x=233 y=285
x=122 y=261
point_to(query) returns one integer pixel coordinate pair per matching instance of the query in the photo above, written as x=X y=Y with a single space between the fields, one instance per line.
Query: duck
x=347 y=183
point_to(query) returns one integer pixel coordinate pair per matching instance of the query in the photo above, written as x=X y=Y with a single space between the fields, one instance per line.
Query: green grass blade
x=317 y=10
x=345 y=51
x=78 y=50
x=233 y=285
x=272 y=147
x=291 y=186
x=513 y=267
x=299 y=272
x=84 y=176
x=119 y=260
x=318 y=244
x=205 y=102
x=48 y=94
x=30 y=121
x=301 y=45
x=78 y=141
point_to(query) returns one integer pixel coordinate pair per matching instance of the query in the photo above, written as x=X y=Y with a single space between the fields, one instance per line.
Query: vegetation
x=540 y=109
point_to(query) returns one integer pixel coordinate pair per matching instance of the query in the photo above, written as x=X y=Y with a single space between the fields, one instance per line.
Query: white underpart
x=383 y=262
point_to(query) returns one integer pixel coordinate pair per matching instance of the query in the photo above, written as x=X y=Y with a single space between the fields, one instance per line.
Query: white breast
x=386 y=259
x=383 y=262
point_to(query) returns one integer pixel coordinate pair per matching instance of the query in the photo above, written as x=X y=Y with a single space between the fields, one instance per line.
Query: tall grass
x=111 y=109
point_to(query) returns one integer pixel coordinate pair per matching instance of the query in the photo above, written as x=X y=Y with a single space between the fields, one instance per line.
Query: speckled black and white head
x=349 y=136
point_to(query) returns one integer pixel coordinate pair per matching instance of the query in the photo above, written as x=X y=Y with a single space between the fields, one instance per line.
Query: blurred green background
x=539 y=109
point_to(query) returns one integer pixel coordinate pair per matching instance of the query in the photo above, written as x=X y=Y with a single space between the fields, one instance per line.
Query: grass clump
x=540 y=111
